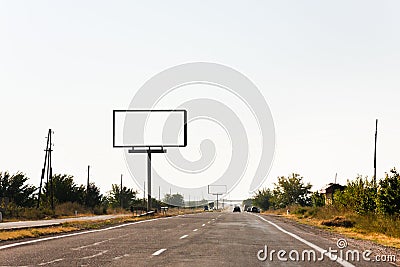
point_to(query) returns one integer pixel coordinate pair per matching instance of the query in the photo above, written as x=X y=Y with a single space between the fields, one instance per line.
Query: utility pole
x=50 y=173
x=144 y=194
x=159 y=194
x=87 y=185
x=376 y=139
x=44 y=171
x=120 y=194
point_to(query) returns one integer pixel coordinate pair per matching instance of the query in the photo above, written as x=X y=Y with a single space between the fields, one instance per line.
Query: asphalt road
x=53 y=222
x=205 y=239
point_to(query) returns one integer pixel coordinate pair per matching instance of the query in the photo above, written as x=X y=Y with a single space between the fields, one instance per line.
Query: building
x=329 y=190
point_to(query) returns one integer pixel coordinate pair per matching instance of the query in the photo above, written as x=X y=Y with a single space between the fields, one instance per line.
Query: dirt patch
x=338 y=222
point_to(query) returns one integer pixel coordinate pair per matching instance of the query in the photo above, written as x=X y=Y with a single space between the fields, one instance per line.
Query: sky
x=326 y=69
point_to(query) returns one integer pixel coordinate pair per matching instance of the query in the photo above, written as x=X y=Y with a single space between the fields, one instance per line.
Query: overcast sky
x=326 y=69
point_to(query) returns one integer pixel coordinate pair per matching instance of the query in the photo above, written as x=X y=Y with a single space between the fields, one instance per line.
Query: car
x=248 y=209
x=205 y=208
x=236 y=209
x=255 y=210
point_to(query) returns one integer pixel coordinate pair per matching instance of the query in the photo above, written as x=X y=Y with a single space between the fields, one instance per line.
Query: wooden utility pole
x=120 y=194
x=87 y=185
x=44 y=170
x=376 y=139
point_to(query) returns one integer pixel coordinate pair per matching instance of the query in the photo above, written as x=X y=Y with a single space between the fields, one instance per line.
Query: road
x=204 y=239
x=54 y=222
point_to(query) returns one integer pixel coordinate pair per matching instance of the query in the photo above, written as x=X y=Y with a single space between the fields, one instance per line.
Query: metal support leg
x=149 y=181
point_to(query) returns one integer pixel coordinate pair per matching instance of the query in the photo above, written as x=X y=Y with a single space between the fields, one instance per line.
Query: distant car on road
x=205 y=208
x=255 y=210
x=248 y=209
x=236 y=209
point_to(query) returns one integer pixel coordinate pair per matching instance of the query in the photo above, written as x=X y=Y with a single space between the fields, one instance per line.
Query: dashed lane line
x=158 y=252
x=50 y=262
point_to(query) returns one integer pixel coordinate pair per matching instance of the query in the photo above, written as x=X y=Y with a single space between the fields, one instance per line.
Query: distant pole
x=335 y=177
x=376 y=139
x=120 y=194
x=159 y=193
x=51 y=175
x=170 y=191
x=144 y=194
x=87 y=185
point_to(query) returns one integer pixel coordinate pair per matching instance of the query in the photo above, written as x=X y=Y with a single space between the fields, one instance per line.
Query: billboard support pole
x=149 y=149
x=148 y=181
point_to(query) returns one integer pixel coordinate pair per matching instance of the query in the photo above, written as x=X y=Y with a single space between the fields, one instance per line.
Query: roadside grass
x=7 y=235
x=34 y=232
x=378 y=228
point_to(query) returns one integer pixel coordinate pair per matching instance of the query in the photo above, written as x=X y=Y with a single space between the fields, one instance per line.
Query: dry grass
x=379 y=229
x=34 y=232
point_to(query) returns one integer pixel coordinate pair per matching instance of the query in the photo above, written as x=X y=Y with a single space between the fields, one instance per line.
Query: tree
x=317 y=199
x=15 y=188
x=292 y=190
x=92 y=196
x=127 y=196
x=359 y=195
x=389 y=194
x=65 y=189
x=263 y=199
x=174 y=200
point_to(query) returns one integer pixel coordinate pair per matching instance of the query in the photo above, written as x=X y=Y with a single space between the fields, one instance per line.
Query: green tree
x=389 y=194
x=93 y=196
x=127 y=196
x=360 y=195
x=15 y=188
x=317 y=199
x=263 y=199
x=292 y=190
x=65 y=190
x=174 y=200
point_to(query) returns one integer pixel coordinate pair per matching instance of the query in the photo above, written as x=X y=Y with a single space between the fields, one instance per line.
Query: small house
x=329 y=190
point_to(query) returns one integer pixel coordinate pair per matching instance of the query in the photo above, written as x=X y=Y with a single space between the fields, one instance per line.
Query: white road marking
x=120 y=257
x=158 y=252
x=203 y=224
x=91 y=245
x=80 y=233
x=208 y=221
x=50 y=262
x=195 y=230
x=184 y=236
x=95 y=255
x=317 y=248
